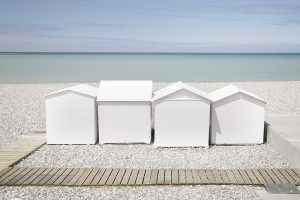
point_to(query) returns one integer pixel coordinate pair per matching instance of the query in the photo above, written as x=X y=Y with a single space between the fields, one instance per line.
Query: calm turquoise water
x=91 y=67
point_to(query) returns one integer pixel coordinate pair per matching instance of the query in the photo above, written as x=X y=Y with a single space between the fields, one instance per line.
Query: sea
x=159 y=67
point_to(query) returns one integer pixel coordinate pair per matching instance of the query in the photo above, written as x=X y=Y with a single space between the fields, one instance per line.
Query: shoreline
x=154 y=82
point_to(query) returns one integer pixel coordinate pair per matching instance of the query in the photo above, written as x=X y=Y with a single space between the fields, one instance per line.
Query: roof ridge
x=177 y=86
x=79 y=89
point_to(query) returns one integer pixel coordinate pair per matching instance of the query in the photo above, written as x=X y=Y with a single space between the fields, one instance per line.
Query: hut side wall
x=124 y=122
x=238 y=119
x=70 y=119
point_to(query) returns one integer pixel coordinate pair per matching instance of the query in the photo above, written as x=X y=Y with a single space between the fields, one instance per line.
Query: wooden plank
x=10 y=157
x=19 y=176
x=161 y=177
x=7 y=174
x=105 y=177
x=297 y=171
x=70 y=176
x=91 y=176
x=76 y=177
x=154 y=175
x=217 y=176
x=14 y=152
x=245 y=177
x=273 y=176
x=9 y=161
x=84 y=176
x=287 y=176
x=34 y=176
x=210 y=176
x=11 y=175
x=27 y=176
x=147 y=177
x=232 y=179
x=265 y=175
x=41 y=176
x=140 y=177
x=238 y=176
x=181 y=175
x=196 y=176
x=224 y=176
x=189 y=177
x=55 y=176
x=252 y=177
x=63 y=176
x=98 y=177
x=279 y=176
x=8 y=152
x=259 y=177
x=133 y=177
x=119 y=177
x=112 y=177
x=175 y=177
x=168 y=177
x=4 y=171
x=293 y=175
x=126 y=177
x=203 y=176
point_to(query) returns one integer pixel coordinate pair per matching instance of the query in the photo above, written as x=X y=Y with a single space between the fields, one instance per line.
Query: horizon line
x=112 y=52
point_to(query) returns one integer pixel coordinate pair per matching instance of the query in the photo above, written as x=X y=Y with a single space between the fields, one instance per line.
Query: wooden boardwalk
x=20 y=148
x=14 y=176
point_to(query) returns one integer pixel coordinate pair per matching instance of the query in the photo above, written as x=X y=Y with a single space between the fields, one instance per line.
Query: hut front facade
x=181 y=116
x=237 y=117
x=71 y=115
x=124 y=111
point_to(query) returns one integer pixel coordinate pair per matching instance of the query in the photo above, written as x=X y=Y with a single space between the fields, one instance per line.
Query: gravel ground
x=146 y=156
x=152 y=192
x=22 y=105
x=22 y=109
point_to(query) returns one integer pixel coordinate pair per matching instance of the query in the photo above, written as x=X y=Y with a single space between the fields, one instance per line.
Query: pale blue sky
x=150 y=26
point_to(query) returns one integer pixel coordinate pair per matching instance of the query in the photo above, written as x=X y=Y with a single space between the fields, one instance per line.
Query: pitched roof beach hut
x=124 y=111
x=237 y=116
x=181 y=116
x=71 y=115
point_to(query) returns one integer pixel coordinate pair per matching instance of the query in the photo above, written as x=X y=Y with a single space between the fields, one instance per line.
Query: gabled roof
x=82 y=89
x=228 y=91
x=177 y=87
x=125 y=91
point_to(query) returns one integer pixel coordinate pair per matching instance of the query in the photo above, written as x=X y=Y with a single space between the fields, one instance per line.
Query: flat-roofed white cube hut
x=124 y=111
x=71 y=115
x=237 y=117
x=181 y=118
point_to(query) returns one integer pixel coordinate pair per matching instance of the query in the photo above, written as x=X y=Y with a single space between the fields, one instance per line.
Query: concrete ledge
x=284 y=135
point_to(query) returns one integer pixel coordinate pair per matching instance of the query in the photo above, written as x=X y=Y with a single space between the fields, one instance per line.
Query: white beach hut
x=71 y=115
x=237 y=117
x=181 y=116
x=124 y=111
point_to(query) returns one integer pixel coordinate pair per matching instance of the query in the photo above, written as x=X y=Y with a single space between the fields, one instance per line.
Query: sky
x=231 y=26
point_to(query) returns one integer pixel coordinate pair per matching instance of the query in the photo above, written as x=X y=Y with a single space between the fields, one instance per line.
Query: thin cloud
x=18 y=28
x=177 y=9
x=114 y=25
x=186 y=7
x=284 y=22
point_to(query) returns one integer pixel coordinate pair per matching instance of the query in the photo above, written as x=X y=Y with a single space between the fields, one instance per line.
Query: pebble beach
x=22 y=110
